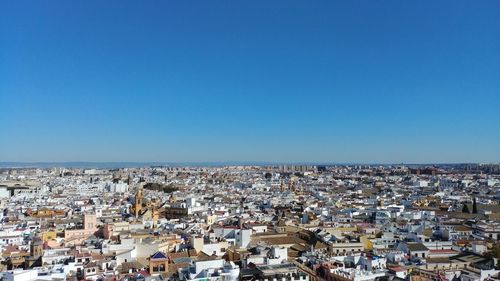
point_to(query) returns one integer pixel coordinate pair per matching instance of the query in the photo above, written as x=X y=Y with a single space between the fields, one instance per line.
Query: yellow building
x=138 y=203
x=48 y=235
x=367 y=244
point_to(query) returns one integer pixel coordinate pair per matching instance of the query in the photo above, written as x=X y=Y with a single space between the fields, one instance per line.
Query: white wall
x=4 y=193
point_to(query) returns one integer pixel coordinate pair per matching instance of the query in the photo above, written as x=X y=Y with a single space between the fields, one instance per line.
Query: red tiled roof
x=396 y=268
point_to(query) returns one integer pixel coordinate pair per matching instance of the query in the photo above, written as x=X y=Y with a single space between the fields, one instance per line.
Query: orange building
x=77 y=236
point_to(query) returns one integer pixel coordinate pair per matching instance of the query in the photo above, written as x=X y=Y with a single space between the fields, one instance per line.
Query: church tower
x=155 y=215
x=138 y=202
x=282 y=187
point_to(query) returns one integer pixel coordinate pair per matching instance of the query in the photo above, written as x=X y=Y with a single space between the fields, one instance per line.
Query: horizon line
x=133 y=164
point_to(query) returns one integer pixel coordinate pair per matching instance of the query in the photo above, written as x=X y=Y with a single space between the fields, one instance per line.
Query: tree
x=474 y=206
x=297 y=174
x=465 y=208
x=495 y=252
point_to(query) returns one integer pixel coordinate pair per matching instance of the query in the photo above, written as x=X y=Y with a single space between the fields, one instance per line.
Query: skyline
x=120 y=165
x=388 y=82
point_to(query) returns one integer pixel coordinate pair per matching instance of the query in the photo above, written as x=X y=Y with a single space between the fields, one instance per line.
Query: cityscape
x=228 y=140
x=285 y=222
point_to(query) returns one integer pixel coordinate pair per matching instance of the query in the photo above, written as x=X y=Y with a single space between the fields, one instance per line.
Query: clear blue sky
x=329 y=81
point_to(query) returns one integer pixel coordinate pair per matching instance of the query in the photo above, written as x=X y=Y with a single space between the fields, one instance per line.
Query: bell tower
x=282 y=186
x=138 y=202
